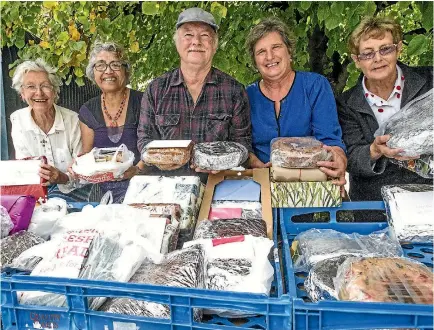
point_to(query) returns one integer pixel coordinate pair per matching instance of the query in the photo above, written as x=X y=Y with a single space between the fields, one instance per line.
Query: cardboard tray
x=259 y=175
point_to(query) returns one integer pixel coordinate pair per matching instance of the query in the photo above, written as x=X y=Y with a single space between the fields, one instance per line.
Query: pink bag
x=20 y=209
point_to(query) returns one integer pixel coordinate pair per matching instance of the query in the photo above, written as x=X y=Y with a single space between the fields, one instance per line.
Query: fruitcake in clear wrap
x=297 y=152
x=168 y=155
x=219 y=155
x=384 y=280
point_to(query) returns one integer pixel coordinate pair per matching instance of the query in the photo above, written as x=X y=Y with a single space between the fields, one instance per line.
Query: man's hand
x=52 y=175
x=379 y=148
x=255 y=162
x=336 y=167
x=200 y=170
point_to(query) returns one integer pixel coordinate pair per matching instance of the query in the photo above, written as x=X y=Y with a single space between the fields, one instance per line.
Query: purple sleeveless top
x=91 y=114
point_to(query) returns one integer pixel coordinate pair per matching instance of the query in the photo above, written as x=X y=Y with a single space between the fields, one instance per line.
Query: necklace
x=114 y=120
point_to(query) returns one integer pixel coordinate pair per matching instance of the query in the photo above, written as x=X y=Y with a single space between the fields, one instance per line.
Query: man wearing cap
x=195 y=101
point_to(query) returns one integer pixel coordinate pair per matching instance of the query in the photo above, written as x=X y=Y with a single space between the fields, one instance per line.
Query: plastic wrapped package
x=66 y=260
x=219 y=155
x=411 y=128
x=12 y=246
x=238 y=264
x=410 y=211
x=229 y=228
x=297 y=152
x=6 y=223
x=315 y=245
x=103 y=164
x=249 y=210
x=423 y=166
x=118 y=218
x=384 y=280
x=112 y=257
x=187 y=191
x=182 y=268
x=168 y=154
x=45 y=216
x=319 y=282
x=172 y=212
x=30 y=258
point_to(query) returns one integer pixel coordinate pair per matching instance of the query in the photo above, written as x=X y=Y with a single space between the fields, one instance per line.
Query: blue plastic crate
x=340 y=314
x=271 y=313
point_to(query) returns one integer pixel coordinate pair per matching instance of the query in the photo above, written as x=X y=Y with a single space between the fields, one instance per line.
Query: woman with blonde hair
x=384 y=87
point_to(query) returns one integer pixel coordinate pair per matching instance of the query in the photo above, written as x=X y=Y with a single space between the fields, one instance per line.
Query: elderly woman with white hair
x=111 y=119
x=46 y=129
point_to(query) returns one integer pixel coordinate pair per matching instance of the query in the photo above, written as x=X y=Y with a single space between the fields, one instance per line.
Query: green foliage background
x=63 y=33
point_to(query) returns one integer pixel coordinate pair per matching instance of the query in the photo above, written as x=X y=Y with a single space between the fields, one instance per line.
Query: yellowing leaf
x=134 y=47
x=75 y=35
x=92 y=16
x=92 y=28
x=44 y=44
x=81 y=57
x=50 y=4
x=31 y=42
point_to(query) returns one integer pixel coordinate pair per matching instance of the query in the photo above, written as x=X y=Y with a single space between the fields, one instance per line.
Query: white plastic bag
x=89 y=169
x=238 y=264
x=45 y=216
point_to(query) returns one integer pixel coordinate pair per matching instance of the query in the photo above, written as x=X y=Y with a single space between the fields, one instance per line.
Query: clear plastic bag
x=219 y=155
x=45 y=216
x=423 y=166
x=411 y=128
x=297 y=152
x=230 y=227
x=6 y=223
x=182 y=268
x=319 y=282
x=384 y=280
x=12 y=246
x=315 y=245
x=409 y=211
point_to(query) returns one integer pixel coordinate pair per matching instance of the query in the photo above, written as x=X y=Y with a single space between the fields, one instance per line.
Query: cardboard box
x=305 y=194
x=259 y=175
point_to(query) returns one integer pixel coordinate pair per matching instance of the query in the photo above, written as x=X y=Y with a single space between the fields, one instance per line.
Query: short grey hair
x=266 y=26
x=109 y=46
x=38 y=65
x=215 y=37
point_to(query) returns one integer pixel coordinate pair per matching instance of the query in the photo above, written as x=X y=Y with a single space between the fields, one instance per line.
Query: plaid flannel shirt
x=221 y=112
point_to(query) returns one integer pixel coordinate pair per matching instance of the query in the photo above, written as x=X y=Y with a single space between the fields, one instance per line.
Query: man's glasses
x=34 y=88
x=385 y=50
x=114 y=65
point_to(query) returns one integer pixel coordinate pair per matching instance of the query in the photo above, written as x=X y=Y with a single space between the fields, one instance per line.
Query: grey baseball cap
x=196 y=15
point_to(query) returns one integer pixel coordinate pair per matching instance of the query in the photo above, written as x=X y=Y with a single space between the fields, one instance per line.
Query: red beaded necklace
x=114 y=120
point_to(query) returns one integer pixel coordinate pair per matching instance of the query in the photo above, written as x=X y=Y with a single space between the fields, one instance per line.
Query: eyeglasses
x=34 y=88
x=384 y=50
x=114 y=65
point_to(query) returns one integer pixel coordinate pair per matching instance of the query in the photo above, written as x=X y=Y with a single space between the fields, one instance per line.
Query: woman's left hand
x=52 y=175
x=336 y=167
x=128 y=174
